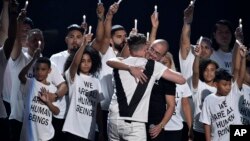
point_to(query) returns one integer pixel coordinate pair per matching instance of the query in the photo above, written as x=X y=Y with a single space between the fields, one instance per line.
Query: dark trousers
x=58 y=125
x=185 y=130
x=198 y=136
x=15 y=128
x=5 y=124
x=104 y=122
x=173 y=135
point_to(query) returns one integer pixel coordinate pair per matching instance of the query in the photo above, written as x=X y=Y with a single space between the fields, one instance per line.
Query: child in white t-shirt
x=242 y=71
x=221 y=109
x=37 y=122
x=84 y=95
x=201 y=86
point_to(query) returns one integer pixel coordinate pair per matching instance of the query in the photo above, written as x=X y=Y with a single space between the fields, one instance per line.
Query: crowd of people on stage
x=114 y=86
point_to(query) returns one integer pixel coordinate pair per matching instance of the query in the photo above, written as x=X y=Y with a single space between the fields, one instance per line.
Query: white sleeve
x=205 y=116
x=101 y=96
x=186 y=64
x=159 y=70
x=186 y=90
x=54 y=76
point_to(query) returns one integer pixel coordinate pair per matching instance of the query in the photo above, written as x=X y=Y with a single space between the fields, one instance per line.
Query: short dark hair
x=28 y=21
x=74 y=27
x=203 y=65
x=116 y=28
x=222 y=74
x=44 y=60
x=227 y=23
x=135 y=40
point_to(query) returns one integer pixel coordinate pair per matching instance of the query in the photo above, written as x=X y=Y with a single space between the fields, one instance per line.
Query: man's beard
x=74 y=49
x=119 y=47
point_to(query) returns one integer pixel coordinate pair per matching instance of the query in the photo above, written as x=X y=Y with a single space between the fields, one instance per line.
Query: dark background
x=53 y=17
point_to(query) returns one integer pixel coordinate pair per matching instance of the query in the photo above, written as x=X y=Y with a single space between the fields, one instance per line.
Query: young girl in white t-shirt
x=84 y=95
x=201 y=86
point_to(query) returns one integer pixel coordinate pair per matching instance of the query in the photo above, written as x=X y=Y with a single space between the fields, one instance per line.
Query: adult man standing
x=129 y=105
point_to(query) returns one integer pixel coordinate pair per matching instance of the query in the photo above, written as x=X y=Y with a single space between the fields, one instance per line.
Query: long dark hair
x=95 y=57
x=203 y=65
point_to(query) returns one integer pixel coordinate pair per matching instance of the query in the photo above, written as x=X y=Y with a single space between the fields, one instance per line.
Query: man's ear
x=111 y=42
x=216 y=84
x=66 y=39
x=49 y=70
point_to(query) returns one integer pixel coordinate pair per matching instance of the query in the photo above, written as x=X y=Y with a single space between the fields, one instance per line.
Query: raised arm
x=196 y=64
x=100 y=27
x=24 y=71
x=236 y=59
x=107 y=28
x=242 y=70
x=77 y=59
x=16 y=51
x=186 y=32
x=155 y=25
x=9 y=42
x=4 y=22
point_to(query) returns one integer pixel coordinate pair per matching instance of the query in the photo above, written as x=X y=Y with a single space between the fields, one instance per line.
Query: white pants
x=119 y=130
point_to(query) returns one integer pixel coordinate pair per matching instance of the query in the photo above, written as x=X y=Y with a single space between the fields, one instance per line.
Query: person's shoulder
x=59 y=54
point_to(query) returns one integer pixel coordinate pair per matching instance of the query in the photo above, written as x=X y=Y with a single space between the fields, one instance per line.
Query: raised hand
x=243 y=50
x=198 y=50
x=88 y=37
x=155 y=19
x=100 y=11
x=37 y=53
x=188 y=14
x=239 y=34
x=113 y=9
x=44 y=95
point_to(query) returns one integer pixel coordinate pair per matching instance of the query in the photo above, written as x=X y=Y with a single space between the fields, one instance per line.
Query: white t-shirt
x=106 y=78
x=223 y=59
x=16 y=99
x=129 y=85
x=244 y=105
x=84 y=94
x=186 y=64
x=220 y=112
x=3 y=64
x=6 y=91
x=199 y=95
x=37 y=122
x=175 y=123
x=59 y=60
